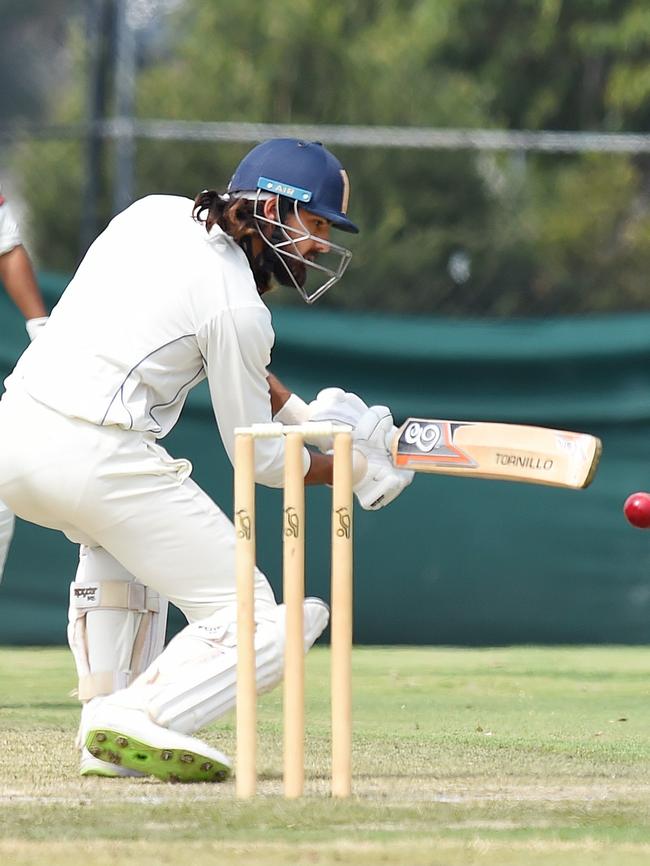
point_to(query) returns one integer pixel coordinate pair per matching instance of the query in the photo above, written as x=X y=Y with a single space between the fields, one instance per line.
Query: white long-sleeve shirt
x=156 y=305
x=9 y=231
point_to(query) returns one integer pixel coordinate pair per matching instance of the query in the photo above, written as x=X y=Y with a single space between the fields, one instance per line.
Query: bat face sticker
x=430 y=442
x=491 y=449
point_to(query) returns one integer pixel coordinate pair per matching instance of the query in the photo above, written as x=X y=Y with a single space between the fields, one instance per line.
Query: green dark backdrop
x=453 y=561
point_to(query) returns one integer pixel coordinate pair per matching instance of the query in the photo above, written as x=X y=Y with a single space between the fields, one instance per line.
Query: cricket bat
x=485 y=449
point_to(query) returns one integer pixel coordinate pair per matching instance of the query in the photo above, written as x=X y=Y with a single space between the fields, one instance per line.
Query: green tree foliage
x=448 y=232
x=32 y=36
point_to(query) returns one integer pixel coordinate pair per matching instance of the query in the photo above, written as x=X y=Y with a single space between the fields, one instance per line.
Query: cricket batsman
x=19 y=280
x=171 y=293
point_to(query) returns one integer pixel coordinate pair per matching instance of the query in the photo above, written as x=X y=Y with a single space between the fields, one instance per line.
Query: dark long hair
x=236 y=217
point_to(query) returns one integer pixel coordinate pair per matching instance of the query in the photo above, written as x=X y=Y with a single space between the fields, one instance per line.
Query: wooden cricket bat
x=485 y=449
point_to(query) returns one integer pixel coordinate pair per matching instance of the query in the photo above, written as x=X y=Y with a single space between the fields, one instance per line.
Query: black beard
x=270 y=265
x=298 y=270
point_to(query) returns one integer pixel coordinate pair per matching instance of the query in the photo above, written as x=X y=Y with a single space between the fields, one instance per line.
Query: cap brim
x=338 y=220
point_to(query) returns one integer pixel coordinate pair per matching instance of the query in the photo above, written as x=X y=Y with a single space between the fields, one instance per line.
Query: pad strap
x=114 y=595
x=101 y=683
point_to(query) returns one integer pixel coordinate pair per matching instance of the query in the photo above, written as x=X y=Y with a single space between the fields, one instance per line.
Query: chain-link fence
x=479 y=223
x=454 y=221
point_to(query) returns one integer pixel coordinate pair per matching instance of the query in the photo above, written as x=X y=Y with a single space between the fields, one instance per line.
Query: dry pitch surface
x=495 y=757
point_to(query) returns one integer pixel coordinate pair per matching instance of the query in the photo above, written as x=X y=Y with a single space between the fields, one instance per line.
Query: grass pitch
x=497 y=757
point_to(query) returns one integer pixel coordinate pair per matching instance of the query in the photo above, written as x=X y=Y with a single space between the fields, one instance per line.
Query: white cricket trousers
x=119 y=490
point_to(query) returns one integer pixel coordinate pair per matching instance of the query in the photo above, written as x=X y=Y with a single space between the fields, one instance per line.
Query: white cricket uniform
x=9 y=231
x=9 y=238
x=156 y=305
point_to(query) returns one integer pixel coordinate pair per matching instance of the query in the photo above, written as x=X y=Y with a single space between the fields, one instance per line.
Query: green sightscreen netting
x=454 y=560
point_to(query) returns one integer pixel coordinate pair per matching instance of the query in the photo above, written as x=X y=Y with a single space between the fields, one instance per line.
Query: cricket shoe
x=128 y=738
x=91 y=766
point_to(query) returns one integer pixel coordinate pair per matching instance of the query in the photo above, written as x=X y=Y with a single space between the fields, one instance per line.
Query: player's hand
x=381 y=482
x=338 y=407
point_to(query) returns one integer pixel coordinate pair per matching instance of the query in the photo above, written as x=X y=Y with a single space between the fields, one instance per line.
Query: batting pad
x=116 y=626
x=194 y=681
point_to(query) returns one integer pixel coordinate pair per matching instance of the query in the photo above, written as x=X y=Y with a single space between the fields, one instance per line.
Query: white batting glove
x=331 y=404
x=338 y=407
x=345 y=407
x=381 y=482
x=33 y=326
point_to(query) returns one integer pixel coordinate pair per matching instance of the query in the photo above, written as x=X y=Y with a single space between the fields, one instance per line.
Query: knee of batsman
x=220 y=628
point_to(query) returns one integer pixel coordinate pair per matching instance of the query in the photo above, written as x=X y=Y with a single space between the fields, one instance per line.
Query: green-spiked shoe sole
x=170 y=765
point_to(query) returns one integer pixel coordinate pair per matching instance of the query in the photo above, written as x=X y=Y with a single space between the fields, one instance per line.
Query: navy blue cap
x=304 y=171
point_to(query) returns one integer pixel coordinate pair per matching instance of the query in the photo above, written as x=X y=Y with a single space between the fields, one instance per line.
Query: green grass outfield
x=495 y=757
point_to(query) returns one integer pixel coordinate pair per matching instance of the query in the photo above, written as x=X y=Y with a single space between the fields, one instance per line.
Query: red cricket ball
x=637 y=510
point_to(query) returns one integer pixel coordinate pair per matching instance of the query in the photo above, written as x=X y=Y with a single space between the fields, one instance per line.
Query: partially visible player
x=171 y=294
x=18 y=278
x=104 y=628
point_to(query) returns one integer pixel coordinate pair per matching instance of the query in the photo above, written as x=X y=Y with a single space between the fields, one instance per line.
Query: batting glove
x=381 y=482
x=338 y=407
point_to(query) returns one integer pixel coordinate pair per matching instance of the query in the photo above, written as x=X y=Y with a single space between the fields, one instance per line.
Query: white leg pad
x=194 y=681
x=6 y=533
x=116 y=626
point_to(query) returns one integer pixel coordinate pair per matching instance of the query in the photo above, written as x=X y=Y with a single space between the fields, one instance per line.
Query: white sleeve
x=236 y=346
x=9 y=231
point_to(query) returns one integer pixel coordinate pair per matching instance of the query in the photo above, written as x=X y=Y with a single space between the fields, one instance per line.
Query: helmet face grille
x=311 y=277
